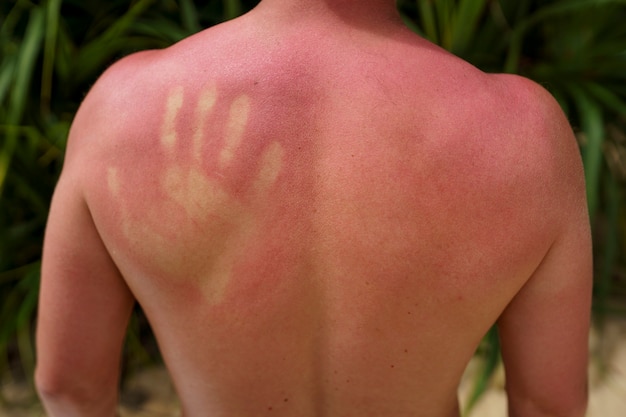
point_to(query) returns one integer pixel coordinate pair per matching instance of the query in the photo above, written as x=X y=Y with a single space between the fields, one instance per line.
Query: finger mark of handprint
x=235 y=127
x=206 y=101
x=173 y=106
x=271 y=164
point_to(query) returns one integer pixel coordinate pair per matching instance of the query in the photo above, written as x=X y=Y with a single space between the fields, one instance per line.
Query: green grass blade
x=427 y=20
x=490 y=364
x=232 y=9
x=159 y=29
x=7 y=71
x=8 y=325
x=189 y=16
x=26 y=61
x=93 y=56
x=445 y=11
x=465 y=23
x=592 y=123
x=609 y=99
x=610 y=251
x=12 y=18
x=53 y=14
x=30 y=287
x=552 y=10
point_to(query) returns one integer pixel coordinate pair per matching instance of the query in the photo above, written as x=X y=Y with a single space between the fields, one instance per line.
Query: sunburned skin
x=321 y=215
x=196 y=205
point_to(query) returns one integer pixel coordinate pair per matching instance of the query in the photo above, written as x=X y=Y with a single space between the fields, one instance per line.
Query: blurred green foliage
x=51 y=52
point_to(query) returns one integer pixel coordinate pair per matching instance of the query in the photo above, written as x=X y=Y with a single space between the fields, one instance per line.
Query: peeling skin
x=190 y=231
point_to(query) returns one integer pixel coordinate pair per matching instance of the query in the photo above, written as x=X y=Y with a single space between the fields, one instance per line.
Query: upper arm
x=544 y=330
x=84 y=303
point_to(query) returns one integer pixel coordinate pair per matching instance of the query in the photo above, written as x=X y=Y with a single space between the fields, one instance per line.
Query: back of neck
x=366 y=14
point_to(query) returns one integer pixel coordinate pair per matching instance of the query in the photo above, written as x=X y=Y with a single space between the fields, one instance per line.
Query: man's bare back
x=320 y=217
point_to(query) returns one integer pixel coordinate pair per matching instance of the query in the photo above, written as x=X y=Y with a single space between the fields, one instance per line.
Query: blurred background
x=52 y=51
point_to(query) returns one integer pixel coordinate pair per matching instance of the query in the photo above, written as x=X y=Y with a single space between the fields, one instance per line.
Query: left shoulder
x=531 y=105
x=545 y=143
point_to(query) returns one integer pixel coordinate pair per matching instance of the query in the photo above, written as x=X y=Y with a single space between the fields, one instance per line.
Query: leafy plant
x=51 y=52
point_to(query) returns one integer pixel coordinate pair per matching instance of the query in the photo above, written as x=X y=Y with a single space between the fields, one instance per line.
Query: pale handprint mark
x=235 y=127
x=271 y=163
x=173 y=106
x=209 y=209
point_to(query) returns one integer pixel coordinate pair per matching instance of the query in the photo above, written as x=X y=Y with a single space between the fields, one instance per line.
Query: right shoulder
x=544 y=151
